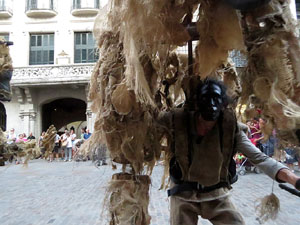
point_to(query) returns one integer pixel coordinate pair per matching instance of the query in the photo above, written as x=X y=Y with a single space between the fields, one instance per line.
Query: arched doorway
x=62 y=112
x=2 y=117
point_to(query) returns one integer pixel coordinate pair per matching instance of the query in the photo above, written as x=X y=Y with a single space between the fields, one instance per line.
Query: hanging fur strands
x=218 y=35
x=5 y=70
x=129 y=199
x=273 y=67
x=140 y=74
x=28 y=149
x=267 y=208
x=49 y=140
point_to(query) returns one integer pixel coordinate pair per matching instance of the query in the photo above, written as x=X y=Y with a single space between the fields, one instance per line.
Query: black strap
x=220 y=121
x=186 y=118
x=297 y=185
x=194 y=186
x=173 y=133
x=190 y=141
x=246 y=4
x=291 y=190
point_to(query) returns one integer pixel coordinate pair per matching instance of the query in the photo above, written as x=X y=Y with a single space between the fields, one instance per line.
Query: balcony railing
x=85 y=7
x=6 y=9
x=40 y=8
x=49 y=75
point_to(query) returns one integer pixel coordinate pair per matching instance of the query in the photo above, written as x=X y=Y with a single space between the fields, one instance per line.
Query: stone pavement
x=71 y=193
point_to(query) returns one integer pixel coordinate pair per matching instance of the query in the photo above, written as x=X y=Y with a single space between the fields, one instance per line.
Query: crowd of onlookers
x=289 y=154
x=12 y=137
x=66 y=144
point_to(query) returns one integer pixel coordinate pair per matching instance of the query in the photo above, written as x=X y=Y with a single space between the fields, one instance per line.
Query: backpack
x=174 y=168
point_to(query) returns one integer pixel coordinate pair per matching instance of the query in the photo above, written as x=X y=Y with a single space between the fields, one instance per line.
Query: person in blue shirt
x=87 y=134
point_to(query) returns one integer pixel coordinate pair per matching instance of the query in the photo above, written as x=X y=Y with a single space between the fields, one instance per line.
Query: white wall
x=19 y=27
x=293 y=8
x=12 y=115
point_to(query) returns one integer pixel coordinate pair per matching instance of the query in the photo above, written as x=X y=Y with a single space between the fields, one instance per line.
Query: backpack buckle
x=199 y=186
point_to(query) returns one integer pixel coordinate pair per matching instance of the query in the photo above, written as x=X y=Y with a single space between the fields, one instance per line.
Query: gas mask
x=210 y=102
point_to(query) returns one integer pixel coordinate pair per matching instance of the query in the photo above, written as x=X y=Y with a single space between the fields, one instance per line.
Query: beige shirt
x=268 y=165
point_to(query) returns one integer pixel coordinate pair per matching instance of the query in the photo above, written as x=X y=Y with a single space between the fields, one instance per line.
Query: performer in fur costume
x=202 y=168
x=139 y=76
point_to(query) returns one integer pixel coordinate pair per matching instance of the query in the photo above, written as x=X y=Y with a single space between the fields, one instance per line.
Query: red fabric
x=253 y=141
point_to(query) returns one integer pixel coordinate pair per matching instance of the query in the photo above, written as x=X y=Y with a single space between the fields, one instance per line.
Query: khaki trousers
x=218 y=212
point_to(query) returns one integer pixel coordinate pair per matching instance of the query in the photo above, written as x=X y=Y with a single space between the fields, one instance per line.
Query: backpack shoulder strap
x=180 y=138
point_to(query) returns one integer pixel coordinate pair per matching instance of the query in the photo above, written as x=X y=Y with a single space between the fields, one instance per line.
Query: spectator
x=56 y=147
x=73 y=137
x=255 y=129
x=291 y=156
x=82 y=134
x=72 y=134
x=40 y=142
x=248 y=123
x=21 y=138
x=41 y=138
x=30 y=136
x=255 y=133
x=266 y=146
x=11 y=138
x=68 y=149
x=64 y=141
x=87 y=134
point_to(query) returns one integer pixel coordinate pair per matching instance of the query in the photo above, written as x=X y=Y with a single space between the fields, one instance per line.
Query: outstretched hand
x=297 y=185
x=288 y=176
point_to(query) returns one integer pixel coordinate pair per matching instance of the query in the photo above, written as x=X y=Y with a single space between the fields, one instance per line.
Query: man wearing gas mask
x=202 y=169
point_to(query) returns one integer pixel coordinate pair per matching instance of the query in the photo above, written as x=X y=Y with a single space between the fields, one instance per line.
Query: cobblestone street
x=72 y=193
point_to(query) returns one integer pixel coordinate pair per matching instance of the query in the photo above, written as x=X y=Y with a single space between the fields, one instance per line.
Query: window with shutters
x=85 y=48
x=41 y=49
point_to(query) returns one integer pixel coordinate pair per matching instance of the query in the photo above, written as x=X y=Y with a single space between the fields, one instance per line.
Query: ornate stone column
x=32 y=120
x=28 y=121
x=27 y=112
x=89 y=119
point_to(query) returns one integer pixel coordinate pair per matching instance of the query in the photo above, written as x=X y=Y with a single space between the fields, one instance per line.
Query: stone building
x=53 y=55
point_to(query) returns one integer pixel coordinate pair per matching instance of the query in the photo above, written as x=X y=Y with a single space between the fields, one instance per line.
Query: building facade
x=53 y=55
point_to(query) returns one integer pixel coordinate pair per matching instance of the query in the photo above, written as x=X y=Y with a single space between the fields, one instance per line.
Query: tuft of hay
x=5 y=71
x=230 y=78
x=267 y=208
x=262 y=88
x=128 y=198
x=272 y=74
x=122 y=99
x=49 y=140
x=218 y=35
x=267 y=129
x=210 y=56
x=5 y=59
x=28 y=149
